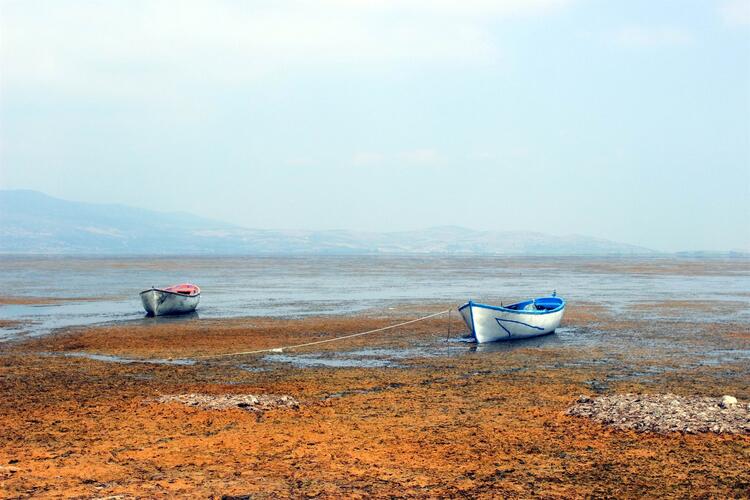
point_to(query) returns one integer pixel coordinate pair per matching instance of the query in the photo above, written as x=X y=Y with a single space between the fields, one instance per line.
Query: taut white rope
x=281 y=349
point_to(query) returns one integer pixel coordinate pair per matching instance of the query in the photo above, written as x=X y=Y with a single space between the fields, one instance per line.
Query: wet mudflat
x=400 y=413
x=48 y=293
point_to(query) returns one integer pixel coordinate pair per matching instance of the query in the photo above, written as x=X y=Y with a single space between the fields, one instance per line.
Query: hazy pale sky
x=627 y=120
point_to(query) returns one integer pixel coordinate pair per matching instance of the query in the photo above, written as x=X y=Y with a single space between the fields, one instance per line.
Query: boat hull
x=161 y=303
x=492 y=324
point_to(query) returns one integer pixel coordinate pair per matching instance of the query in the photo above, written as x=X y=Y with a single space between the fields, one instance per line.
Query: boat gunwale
x=168 y=291
x=516 y=311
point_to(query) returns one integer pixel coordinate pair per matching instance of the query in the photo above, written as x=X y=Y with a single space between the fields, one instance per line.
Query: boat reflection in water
x=549 y=340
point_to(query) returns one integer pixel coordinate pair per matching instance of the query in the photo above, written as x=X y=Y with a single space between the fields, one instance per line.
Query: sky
x=626 y=120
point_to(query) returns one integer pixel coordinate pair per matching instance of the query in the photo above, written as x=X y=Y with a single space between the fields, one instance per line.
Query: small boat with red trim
x=175 y=299
x=529 y=318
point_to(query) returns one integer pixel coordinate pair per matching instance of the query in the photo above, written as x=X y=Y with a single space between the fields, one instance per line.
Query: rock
x=664 y=413
x=249 y=402
x=728 y=401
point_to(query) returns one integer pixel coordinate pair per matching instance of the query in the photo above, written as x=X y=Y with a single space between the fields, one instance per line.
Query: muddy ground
x=401 y=413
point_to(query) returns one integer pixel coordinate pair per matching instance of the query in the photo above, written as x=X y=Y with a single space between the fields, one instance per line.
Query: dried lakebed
x=116 y=415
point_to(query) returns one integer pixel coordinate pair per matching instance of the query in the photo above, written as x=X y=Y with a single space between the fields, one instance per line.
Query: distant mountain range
x=34 y=223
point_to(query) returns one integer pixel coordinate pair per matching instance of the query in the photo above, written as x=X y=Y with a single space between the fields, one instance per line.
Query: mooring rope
x=281 y=349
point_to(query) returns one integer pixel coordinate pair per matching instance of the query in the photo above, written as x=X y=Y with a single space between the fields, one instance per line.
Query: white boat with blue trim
x=529 y=318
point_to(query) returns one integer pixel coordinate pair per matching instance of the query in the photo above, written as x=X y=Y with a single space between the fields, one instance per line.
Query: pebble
x=662 y=413
x=728 y=401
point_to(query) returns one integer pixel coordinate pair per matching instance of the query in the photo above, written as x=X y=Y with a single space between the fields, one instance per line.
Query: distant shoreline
x=647 y=256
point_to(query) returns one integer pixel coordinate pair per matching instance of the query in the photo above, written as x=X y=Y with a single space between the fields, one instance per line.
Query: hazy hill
x=32 y=222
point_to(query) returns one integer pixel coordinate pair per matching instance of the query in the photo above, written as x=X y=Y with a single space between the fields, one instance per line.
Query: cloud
x=418 y=157
x=301 y=161
x=651 y=36
x=367 y=159
x=735 y=12
x=463 y=8
x=122 y=46
x=421 y=157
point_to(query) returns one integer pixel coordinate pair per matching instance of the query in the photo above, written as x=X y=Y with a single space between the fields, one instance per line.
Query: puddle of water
x=562 y=337
x=312 y=361
x=107 y=358
x=717 y=357
x=38 y=320
x=253 y=369
x=364 y=358
x=371 y=390
x=397 y=353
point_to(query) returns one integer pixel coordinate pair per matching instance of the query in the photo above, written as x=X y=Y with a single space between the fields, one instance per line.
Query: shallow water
x=335 y=361
x=300 y=286
x=381 y=357
x=119 y=359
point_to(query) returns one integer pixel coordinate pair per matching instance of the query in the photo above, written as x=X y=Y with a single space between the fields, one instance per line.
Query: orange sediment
x=475 y=424
x=36 y=301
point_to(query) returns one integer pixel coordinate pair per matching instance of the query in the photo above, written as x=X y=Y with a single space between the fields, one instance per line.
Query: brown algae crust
x=466 y=423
